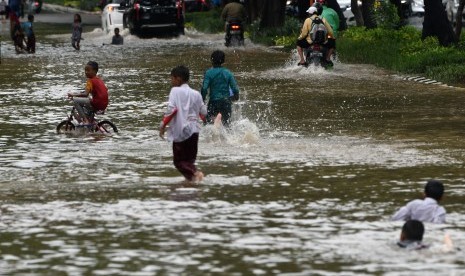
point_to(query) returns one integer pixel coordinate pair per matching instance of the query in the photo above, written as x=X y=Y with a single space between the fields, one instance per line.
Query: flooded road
x=304 y=183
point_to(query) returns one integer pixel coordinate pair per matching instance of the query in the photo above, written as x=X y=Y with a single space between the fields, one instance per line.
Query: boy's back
x=188 y=103
x=426 y=210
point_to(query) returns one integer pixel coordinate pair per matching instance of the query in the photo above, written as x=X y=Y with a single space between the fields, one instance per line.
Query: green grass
x=403 y=51
x=207 y=22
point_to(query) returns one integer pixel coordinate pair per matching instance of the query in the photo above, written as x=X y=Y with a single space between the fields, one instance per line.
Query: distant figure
x=17 y=34
x=117 y=39
x=233 y=12
x=305 y=40
x=15 y=6
x=95 y=96
x=221 y=88
x=412 y=235
x=30 y=36
x=426 y=210
x=333 y=19
x=185 y=105
x=2 y=9
x=77 y=32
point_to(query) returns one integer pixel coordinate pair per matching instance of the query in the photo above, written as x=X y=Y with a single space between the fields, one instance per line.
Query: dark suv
x=142 y=16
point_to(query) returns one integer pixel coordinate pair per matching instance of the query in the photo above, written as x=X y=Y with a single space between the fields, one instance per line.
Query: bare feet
x=198 y=176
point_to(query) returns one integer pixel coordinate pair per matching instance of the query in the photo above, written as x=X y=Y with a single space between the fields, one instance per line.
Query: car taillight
x=110 y=8
x=137 y=8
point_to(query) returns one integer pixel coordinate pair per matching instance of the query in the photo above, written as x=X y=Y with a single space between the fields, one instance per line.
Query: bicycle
x=70 y=125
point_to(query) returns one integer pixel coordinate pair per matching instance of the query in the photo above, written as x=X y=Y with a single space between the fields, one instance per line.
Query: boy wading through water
x=185 y=105
x=221 y=88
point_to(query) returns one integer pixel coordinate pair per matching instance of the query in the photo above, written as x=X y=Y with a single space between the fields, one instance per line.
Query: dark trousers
x=184 y=155
x=31 y=44
x=219 y=106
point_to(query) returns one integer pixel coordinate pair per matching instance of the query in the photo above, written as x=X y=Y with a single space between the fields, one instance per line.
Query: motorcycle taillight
x=235 y=27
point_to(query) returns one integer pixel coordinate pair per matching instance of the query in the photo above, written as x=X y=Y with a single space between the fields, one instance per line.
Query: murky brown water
x=304 y=183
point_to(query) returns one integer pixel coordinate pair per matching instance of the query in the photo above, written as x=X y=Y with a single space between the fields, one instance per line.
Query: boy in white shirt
x=185 y=105
x=426 y=210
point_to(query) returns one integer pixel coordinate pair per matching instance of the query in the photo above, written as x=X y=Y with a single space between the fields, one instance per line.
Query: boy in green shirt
x=220 y=86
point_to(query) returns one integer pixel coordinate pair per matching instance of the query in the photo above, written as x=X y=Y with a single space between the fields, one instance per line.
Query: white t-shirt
x=427 y=210
x=189 y=105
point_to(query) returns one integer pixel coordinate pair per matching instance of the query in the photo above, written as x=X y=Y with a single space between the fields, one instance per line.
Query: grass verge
x=403 y=51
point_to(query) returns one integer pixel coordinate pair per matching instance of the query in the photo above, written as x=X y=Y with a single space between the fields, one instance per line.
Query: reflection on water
x=304 y=181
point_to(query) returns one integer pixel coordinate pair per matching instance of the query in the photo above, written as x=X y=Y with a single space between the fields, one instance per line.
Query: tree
x=271 y=13
x=274 y=13
x=368 y=13
x=436 y=23
x=303 y=6
x=357 y=13
x=458 y=19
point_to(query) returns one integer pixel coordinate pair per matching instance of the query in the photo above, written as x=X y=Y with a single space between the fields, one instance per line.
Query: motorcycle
x=234 y=34
x=315 y=55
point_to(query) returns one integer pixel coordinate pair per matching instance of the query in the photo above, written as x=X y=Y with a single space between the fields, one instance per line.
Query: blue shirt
x=219 y=81
x=27 y=27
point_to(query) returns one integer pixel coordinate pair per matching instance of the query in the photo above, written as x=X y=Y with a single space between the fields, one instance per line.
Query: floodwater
x=304 y=182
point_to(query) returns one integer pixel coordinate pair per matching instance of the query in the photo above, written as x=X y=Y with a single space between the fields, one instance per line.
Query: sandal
x=302 y=64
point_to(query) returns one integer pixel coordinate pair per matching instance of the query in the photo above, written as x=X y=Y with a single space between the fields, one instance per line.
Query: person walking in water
x=31 y=38
x=220 y=86
x=426 y=210
x=77 y=32
x=117 y=39
x=411 y=236
x=185 y=105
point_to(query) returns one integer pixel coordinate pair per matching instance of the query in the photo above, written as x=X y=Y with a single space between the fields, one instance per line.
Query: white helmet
x=312 y=10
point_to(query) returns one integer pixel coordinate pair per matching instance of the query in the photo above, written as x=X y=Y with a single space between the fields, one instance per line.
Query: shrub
x=386 y=15
x=207 y=22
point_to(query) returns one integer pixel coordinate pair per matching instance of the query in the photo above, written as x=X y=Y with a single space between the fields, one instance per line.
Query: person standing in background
x=77 y=32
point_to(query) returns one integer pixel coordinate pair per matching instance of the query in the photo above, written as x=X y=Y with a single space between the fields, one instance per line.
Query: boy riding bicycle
x=97 y=89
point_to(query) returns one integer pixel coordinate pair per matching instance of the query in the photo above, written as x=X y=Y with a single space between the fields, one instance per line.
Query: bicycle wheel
x=106 y=127
x=65 y=127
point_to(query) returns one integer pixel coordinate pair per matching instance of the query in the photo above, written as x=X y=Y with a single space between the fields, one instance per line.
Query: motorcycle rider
x=304 y=40
x=233 y=12
x=333 y=19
